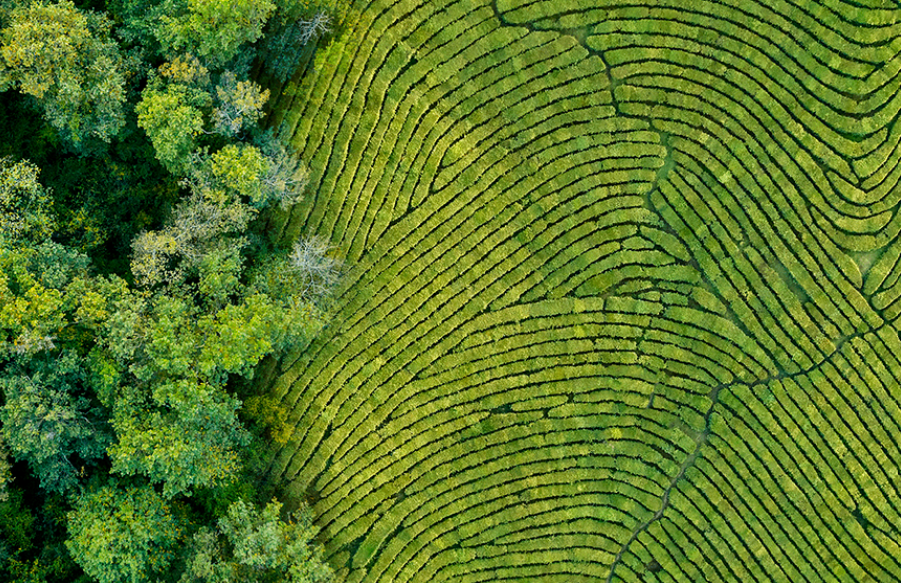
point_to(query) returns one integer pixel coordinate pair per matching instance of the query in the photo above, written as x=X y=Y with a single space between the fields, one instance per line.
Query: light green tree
x=261 y=176
x=239 y=105
x=205 y=238
x=172 y=116
x=240 y=170
x=24 y=204
x=31 y=315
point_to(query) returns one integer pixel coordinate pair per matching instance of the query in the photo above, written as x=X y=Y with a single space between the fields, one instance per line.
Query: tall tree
x=49 y=422
x=172 y=116
x=24 y=204
x=239 y=105
x=123 y=534
x=5 y=476
x=252 y=545
x=214 y=30
x=64 y=58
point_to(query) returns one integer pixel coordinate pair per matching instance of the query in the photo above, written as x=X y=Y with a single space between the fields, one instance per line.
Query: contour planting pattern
x=624 y=298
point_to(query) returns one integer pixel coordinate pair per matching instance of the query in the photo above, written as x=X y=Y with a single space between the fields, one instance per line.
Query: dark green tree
x=49 y=422
x=5 y=476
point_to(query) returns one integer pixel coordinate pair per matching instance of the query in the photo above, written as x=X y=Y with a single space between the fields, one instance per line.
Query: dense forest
x=139 y=289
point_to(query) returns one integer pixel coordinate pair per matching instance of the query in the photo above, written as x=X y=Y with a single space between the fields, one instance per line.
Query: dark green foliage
x=102 y=202
x=49 y=422
x=136 y=21
x=297 y=29
x=16 y=527
x=5 y=475
x=32 y=534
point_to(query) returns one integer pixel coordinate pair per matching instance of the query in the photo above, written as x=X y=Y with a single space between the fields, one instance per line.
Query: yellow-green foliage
x=24 y=203
x=65 y=58
x=173 y=121
x=270 y=415
x=241 y=169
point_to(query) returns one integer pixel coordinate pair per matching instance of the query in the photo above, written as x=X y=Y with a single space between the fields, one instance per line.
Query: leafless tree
x=287 y=176
x=320 y=24
x=317 y=271
x=289 y=40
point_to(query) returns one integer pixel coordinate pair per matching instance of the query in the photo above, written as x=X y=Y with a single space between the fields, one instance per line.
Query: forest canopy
x=140 y=290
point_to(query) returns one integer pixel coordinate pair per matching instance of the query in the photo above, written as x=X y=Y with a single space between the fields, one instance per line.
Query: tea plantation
x=624 y=294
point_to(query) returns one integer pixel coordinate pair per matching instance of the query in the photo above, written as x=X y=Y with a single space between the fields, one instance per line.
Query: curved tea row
x=623 y=292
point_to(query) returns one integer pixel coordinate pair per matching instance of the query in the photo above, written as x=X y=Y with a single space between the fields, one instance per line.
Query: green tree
x=188 y=437
x=5 y=476
x=173 y=419
x=123 y=534
x=31 y=314
x=204 y=238
x=46 y=299
x=259 y=175
x=24 y=204
x=65 y=59
x=253 y=545
x=214 y=30
x=32 y=544
x=48 y=418
x=241 y=170
x=172 y=117
x=47 y=421
x=239 y=105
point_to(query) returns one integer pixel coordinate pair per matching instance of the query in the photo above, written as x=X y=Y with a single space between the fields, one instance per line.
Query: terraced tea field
x=625 y=292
